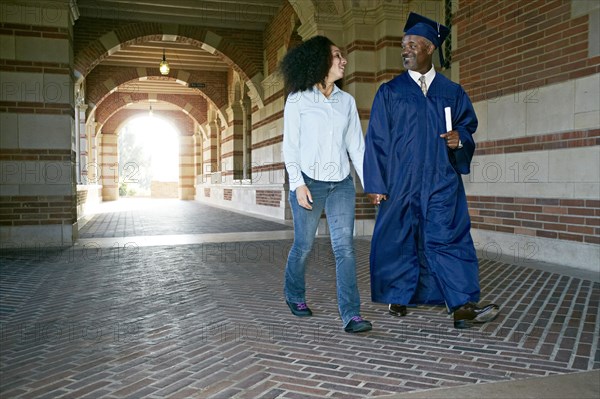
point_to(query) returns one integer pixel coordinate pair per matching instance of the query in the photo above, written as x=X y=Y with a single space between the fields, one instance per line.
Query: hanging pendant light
x=164 y=65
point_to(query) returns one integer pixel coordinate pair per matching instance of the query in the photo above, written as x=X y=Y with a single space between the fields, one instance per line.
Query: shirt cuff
x=459 y=145
x=297 y=183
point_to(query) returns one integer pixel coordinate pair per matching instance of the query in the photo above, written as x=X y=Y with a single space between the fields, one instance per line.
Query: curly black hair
x=307 y=64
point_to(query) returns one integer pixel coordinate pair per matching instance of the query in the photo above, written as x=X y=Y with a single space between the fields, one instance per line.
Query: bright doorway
x=148 y=158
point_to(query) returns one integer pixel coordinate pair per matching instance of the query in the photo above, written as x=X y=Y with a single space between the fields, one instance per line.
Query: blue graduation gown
x=421 y=251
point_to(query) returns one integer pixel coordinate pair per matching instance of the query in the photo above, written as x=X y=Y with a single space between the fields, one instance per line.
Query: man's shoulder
x=396 y=83
x=443 y=80
x=399 y=79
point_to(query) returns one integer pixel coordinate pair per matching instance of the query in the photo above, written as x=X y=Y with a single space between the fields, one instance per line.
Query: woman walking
x=321 y=128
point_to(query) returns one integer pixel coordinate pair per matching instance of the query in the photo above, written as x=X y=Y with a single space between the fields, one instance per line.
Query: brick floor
x=209 y=321
x=144 y=216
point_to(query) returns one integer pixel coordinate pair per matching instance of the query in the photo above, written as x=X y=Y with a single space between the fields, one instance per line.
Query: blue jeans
x=338 y=200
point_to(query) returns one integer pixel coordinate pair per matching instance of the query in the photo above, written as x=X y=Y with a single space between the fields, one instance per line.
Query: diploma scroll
x=448 y=119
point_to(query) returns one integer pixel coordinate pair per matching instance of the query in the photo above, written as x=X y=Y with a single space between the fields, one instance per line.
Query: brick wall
x=563 y=219
x=22 y=93
x=364 y=208
x=384 y=72
x=507 y=46
x=38 y=201
x=533 y=76
x=37 y=210
x=38 y=167
x=280 y=33
x=268 y=198
x=573 y=139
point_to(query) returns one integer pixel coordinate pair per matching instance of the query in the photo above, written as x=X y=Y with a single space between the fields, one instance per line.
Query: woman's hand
x=304 y=197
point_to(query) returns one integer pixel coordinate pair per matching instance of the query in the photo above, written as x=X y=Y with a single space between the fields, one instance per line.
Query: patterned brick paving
x=209 y=321
x=145 y=217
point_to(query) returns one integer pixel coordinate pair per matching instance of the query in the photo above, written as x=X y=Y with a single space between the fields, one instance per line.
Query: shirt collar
x=334 y=91
x=428 y=76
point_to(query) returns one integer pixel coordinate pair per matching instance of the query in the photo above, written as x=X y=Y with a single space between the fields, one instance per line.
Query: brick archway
x=105 y=80
x=195 y=107
x=222 y=43
x=183 y=123
x=108 y=163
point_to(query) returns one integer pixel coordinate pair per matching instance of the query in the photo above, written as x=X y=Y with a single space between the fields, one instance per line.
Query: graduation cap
x=435 y=32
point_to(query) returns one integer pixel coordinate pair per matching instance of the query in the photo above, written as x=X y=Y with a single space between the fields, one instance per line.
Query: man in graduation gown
x=422 y=251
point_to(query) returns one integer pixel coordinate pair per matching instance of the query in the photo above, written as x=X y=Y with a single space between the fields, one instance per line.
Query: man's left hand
x=452 y=139
x=377 y=198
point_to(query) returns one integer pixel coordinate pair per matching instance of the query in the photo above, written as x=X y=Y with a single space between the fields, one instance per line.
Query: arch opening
x=148 y=158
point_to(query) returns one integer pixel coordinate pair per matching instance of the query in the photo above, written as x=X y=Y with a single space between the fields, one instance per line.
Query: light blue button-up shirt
x=318 y=135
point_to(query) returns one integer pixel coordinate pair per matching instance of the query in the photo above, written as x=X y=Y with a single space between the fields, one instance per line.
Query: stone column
x=109 y=166
x=83 y=158
x=187 y=190
x=232 y=147
x=247 y=137
x=211 y=148
x=38 y=183
x=91 y=168
x=198 y=155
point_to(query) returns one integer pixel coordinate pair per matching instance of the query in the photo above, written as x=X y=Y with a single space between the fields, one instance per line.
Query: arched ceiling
x=231 y=14
x=248 y=15
x=180 y=55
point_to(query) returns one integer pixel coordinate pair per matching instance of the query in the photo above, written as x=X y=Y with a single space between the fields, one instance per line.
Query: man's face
x=417 y=53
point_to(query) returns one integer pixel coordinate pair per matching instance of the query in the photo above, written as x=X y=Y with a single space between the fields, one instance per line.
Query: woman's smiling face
x=338 y=65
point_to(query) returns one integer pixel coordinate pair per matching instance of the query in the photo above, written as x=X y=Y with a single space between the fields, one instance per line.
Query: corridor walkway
x=178 y=299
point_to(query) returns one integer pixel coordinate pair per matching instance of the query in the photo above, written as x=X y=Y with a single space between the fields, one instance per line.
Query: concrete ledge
x=577 y=385
x=51 y=235
x=528 y=249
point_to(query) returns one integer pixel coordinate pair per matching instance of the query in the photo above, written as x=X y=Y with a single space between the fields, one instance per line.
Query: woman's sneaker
x=358 y=324
x=299 y=309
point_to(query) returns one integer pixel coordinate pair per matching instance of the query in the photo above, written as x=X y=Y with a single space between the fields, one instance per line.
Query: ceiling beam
x=236 y=15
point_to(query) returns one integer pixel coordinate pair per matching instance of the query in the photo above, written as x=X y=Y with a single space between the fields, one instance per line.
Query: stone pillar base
x=45 y=236
x=110 y=194
x=187 y=193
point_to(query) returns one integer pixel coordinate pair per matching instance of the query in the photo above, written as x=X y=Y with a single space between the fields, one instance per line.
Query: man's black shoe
x=299 y=309
x=397 y=310
x=470 y=313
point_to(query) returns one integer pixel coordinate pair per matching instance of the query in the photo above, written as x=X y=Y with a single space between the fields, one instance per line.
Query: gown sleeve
x=465 y=122
x=377 y=145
